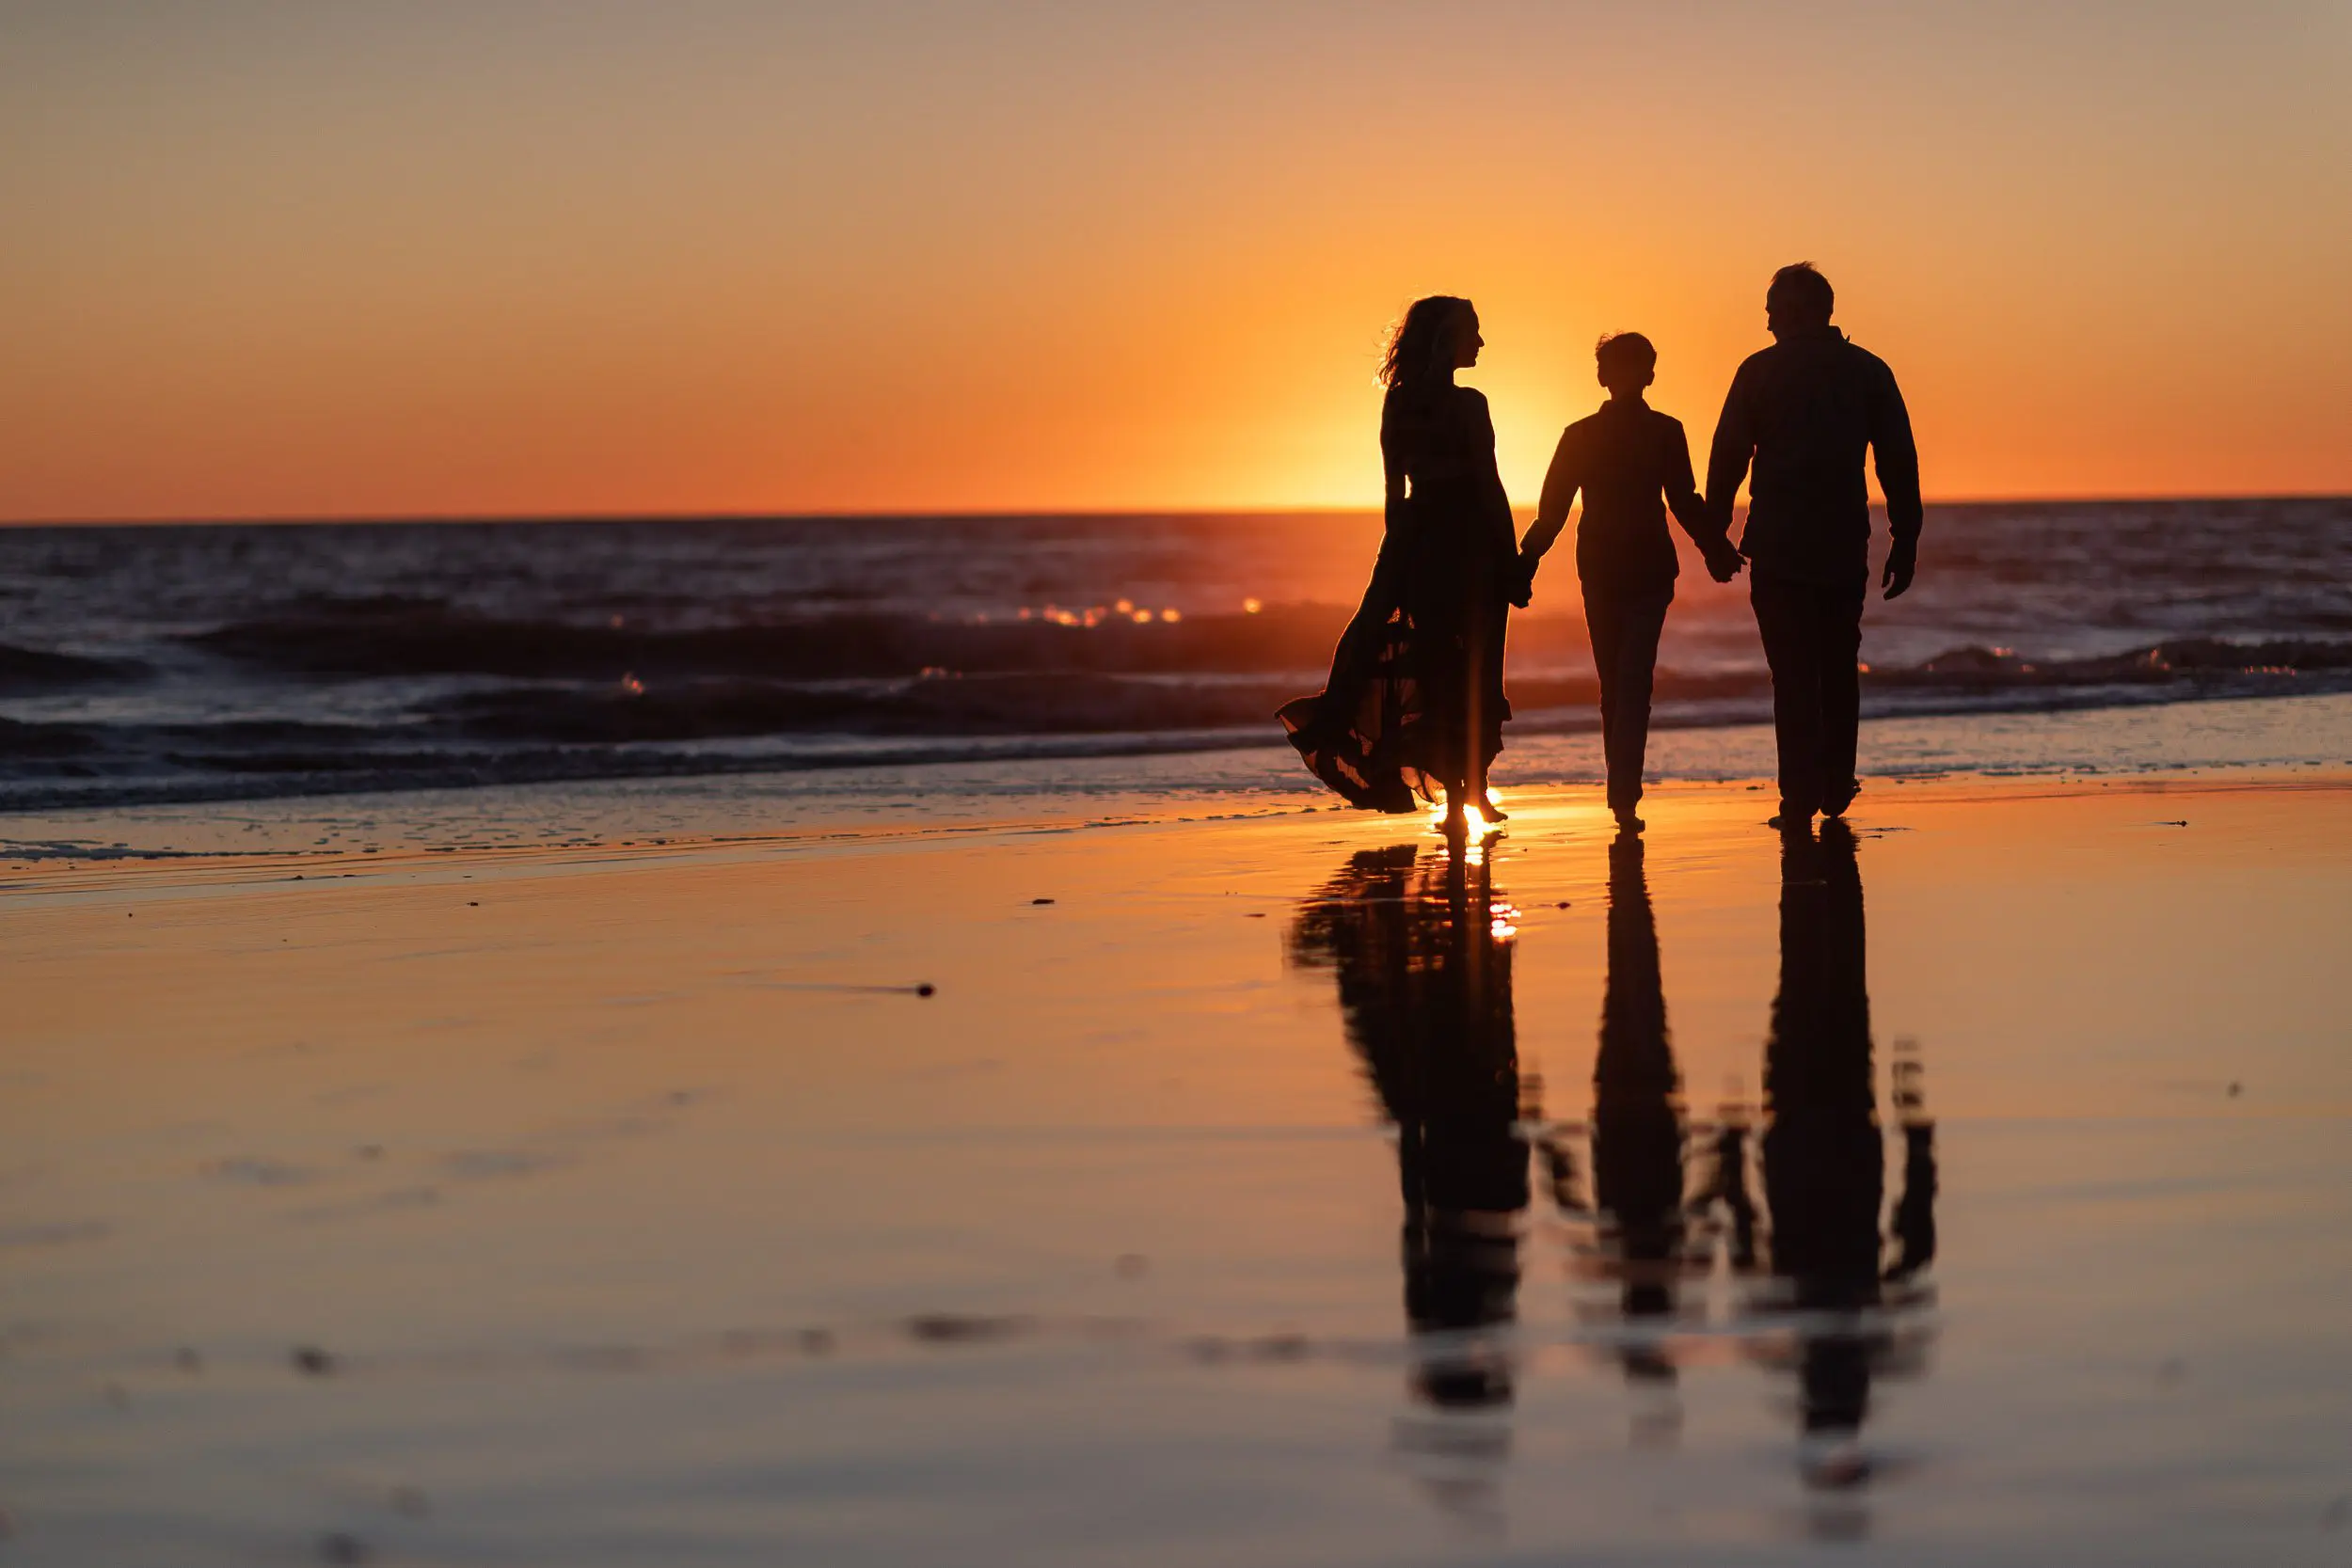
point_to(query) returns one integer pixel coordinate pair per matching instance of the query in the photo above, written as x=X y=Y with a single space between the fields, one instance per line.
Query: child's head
x=1628 y=362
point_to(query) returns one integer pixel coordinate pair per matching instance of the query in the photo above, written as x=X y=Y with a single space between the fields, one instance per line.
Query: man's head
x=1799 y=301
x=1628 y=362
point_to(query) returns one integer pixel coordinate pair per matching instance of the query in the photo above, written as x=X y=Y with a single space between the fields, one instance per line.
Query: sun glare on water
x=1475 y=825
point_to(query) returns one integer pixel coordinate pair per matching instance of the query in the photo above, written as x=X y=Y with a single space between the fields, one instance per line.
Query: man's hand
x=1724 y=562
x=1902 y=562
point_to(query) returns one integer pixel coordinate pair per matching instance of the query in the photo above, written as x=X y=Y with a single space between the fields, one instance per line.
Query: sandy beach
x=637 y=1203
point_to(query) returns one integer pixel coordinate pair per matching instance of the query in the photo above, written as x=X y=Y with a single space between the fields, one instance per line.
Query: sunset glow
x=282 y=260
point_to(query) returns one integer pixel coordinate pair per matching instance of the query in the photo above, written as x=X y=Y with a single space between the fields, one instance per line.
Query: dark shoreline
x=593 y=765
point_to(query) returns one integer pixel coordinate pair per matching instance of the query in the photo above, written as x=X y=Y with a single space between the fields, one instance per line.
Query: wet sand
x=605 y=1205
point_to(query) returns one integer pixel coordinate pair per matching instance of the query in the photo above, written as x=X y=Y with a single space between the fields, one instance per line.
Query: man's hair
x=1805 y=289
x=1620 y=352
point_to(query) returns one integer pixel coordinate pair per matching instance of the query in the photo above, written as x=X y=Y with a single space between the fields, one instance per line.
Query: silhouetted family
x=1413 y=709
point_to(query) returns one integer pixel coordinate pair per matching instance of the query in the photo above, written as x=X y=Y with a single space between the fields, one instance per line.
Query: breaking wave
x=213 y=662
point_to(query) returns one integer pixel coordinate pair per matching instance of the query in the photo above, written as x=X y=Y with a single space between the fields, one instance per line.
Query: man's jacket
x=1802 y=411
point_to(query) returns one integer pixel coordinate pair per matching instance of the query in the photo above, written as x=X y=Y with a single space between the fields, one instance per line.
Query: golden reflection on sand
x=590 y=1175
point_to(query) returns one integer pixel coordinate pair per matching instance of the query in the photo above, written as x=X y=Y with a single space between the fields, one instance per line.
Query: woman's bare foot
x=1492 y=813
x=1457 y=825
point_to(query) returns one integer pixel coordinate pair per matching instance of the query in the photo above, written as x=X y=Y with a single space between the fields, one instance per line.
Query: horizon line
x=301 y=519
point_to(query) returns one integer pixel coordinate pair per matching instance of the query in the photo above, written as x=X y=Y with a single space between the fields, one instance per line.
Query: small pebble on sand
x=311 y=1361
x=926 y=989
x=1041 y=900
x=960 y=1329
x=340 y=1548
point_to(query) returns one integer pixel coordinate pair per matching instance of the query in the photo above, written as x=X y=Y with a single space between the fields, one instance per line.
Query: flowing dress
x=1415 y=694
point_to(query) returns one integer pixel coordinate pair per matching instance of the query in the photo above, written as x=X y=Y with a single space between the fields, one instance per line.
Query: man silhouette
x=1804 y=410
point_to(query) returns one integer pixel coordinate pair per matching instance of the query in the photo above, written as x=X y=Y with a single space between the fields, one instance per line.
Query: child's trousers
x=1625 y=652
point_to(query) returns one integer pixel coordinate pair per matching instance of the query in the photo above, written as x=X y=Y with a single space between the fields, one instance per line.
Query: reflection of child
x=1629 y=461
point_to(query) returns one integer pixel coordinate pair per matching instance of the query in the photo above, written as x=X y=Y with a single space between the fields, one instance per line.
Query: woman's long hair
x=1422 y=339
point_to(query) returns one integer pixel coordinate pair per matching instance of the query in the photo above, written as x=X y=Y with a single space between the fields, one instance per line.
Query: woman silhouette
x=1414 y=702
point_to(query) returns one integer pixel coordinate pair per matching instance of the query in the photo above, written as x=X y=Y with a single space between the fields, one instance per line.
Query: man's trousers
x=1812 y=639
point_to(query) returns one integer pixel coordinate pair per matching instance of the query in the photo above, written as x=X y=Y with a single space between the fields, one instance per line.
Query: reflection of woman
x=1414 y=704
x=1423 y=956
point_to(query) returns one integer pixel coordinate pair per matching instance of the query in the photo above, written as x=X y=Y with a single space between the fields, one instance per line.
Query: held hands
x=1523 y=582
x=1723 y=562
x=1900 y=563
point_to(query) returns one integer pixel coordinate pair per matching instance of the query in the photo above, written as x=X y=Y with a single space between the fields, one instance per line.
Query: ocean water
x=216 y=662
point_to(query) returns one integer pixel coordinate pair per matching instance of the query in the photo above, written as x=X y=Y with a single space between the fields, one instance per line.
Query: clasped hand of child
x=1523 y=580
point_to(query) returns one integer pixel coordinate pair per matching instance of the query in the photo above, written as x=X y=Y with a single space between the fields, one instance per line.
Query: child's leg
x=1640 y=624
x=1600 y=625
x=1625 y=653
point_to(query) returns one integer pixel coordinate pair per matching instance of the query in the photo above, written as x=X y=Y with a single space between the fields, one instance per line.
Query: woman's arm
x=1383 y=593
x=1394 y=512
x=1498 y=500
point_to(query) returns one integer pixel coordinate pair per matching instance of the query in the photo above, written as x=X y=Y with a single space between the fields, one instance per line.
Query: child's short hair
x=1618 y=353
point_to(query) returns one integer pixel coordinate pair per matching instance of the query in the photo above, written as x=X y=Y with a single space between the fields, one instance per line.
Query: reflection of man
x=1823 y=1155
x=1804 y=411
x=1423 y=963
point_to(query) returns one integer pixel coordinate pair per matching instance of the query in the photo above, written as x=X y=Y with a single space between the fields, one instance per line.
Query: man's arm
x=1896 y=458
x=1682 y=495
x=1727 y=457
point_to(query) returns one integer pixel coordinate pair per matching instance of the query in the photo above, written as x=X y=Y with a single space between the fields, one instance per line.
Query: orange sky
x=304 y=259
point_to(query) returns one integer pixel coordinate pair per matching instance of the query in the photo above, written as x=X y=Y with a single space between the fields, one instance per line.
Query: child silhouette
x=1631 y=461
